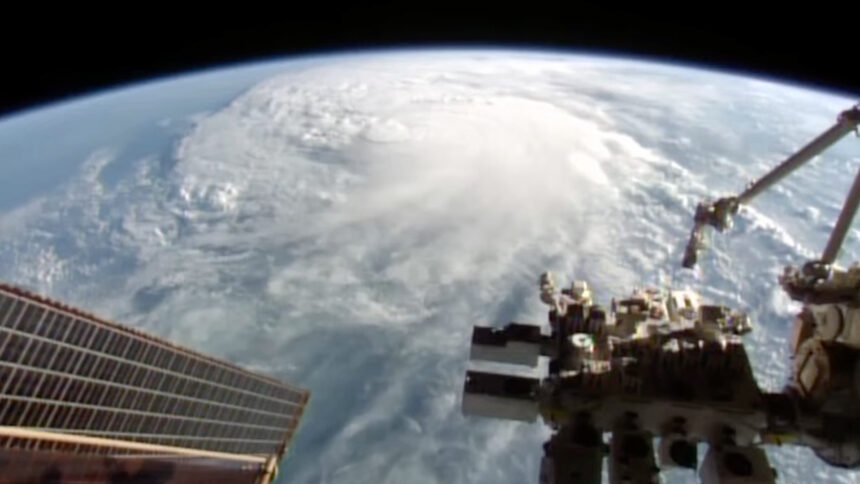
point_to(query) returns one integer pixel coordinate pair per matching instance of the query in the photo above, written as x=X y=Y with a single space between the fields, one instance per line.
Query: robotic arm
x=718 y=214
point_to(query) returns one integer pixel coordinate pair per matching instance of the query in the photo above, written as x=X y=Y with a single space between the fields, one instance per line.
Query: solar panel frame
x=66 y=371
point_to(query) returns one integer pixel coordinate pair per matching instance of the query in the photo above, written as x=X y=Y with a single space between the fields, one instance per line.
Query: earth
x=342 y=221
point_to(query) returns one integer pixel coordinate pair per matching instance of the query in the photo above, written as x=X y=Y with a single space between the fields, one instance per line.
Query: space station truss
x=82 y=398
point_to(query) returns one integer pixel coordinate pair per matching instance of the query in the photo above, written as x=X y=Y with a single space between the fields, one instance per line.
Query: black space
x=48 y=58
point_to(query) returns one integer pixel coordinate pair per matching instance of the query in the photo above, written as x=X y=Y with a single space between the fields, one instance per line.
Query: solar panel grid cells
x=69 y=372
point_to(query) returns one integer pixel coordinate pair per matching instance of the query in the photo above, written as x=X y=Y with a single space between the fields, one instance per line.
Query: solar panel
x=65 y=372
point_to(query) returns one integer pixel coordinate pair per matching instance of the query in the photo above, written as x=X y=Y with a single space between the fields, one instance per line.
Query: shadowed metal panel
x=17 y=466
x=62 y=370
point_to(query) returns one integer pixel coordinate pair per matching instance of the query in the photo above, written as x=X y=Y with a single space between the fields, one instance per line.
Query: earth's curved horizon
x=333 y=54
x=341 y=221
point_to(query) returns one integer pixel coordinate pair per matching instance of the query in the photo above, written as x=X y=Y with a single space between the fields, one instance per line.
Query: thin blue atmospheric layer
x=42 y=147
